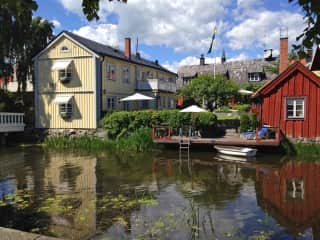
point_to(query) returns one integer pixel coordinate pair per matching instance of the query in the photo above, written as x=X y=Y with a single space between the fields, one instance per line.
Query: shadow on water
x=158 y=196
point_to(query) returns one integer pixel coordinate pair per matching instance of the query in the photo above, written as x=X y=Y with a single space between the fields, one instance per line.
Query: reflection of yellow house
x=76 y=79
x=73 y=180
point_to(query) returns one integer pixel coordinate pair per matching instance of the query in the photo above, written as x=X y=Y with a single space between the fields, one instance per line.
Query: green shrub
x=310 y=151
x=123 y=123
x=245 y=124
x=248 y=122
x=242 y=107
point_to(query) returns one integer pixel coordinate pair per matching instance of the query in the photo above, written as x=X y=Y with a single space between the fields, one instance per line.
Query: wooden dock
x=227 y=141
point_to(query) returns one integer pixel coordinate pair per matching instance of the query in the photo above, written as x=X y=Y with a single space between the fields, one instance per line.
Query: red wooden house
x=291 y=102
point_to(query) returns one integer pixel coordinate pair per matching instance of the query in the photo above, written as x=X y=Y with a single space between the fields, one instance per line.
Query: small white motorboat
x=237 y=151
x=230 y=158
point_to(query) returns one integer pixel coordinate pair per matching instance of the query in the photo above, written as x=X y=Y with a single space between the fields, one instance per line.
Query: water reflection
x=76 y=196
x=291 y=195
x=53 y=194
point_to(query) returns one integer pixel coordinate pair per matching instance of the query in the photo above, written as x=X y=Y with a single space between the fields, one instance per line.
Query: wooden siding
x=74 y=50
x=274 y=106
x=118 y=88
x=82 y=112
x=82 y=76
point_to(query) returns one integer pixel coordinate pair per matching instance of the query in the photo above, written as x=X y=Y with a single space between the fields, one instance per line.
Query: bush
x=248 y=122
x=242 y=107
x=123 y=123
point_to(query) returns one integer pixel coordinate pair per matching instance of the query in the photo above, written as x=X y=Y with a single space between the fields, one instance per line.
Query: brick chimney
x=127 y=48
x=202 y=60
x=283 y=62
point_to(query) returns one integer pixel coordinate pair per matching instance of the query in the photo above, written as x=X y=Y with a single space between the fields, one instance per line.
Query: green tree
x=91 y=8
x=210 y=89
x=15 y=18
x=310 y=34
x=39 y=33
x=21 y=37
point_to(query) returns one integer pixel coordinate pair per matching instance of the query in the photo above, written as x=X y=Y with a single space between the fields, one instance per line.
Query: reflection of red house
x=291 y=195
x=291 y=102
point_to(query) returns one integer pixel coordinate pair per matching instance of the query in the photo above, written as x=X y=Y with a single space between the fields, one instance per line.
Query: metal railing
x=157 y=84
x=11 y=122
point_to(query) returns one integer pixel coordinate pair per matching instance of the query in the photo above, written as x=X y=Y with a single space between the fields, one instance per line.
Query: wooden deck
x=228 y=141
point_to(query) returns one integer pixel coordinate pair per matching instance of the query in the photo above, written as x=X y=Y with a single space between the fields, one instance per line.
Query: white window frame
x=293 y=101
x=65 y=75
x=111 y=102
x=254 y=76
x=111 y=72
x=125 y=74
x=66 y=110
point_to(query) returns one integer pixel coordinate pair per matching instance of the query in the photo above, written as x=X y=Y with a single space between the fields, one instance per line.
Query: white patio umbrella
x=245 y=92
x=136 y=97
x=193 y=109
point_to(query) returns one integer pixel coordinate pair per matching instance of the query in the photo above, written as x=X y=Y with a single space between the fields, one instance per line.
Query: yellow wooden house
x=77 y=79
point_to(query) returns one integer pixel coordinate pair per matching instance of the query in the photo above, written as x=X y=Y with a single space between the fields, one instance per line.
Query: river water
x=157 y=196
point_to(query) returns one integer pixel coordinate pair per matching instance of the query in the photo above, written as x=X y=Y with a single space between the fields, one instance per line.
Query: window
x=126 y=106
x=111 y=72
x=145 y=104
x=65 y=110
x=143 y=76
x=254 y=77
x=64 y=49
x=65 y=75
x=295 y=108
x=111 y=103
x=125 y=74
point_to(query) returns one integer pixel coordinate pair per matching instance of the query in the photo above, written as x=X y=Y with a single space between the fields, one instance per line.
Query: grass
x=309 y=151
x=226 y=117
x=138 y=141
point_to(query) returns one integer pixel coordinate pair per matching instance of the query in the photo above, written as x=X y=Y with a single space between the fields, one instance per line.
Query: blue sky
x=178 y=32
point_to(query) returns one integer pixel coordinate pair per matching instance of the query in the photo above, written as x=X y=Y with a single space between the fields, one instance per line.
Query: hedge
x=121 y=123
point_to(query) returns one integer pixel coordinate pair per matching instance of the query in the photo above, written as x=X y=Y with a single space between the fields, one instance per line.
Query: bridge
x=11 y=122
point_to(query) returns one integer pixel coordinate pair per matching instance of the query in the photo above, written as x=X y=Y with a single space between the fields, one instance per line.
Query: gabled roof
x=104 y=50
x=292 y=69
x=315 y=64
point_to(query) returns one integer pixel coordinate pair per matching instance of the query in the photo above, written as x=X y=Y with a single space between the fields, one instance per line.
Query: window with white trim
x=65 y=110
x=295 y=108
x=254 y=76
x=111 y=103
x=111 y=72
x=125 y=74
x=65 y=75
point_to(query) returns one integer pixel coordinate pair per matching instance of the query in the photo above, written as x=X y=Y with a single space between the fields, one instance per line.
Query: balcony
x=157 y=85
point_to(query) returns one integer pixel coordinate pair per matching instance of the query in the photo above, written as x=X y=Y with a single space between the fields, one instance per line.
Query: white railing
x=11 y=122
x=157 y=84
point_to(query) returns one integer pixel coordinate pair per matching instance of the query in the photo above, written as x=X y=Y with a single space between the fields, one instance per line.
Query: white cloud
x=184 y=25
x=248 y=4
x=190 y=60
x=262 y=29
x=241 y=56
x=102 y=33
x=72 y=6
x=56 y=23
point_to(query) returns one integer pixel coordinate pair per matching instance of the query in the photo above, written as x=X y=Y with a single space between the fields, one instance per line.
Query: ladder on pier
x=184 y=147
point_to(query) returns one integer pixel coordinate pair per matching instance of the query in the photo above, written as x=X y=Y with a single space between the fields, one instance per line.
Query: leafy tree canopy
x=22 y=36
x=91 y=7
x=310 y=34
x=210 y=89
